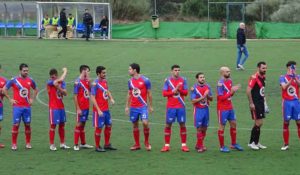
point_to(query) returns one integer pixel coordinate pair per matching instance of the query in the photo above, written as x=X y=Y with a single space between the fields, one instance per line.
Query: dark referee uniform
x=257 y=84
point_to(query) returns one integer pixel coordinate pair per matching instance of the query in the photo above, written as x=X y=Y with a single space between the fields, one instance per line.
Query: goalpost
x=97 y=10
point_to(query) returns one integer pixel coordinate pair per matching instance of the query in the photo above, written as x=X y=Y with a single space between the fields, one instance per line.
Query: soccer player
x=21 y=102
x=3 y=82
x=201 y=95
x=257 y=103
x=82 y=104
x=290 y=83
x=175 y=89
x=101 y=115
x=139 y=98
x=225 y=91
x=56 y=88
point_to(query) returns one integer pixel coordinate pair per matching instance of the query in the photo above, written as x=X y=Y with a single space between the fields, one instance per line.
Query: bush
x=130 y=9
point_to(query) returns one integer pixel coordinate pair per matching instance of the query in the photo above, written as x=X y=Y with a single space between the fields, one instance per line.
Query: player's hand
x=267 y=109
x=236 y=87
x=100 y=113
x=252 y=107
x=205 y=93
x=30 y=101
x=78 y=111
x=112 y=101
x=150 y=109
x=64 y=69
x=12 y=101
x=126 y=110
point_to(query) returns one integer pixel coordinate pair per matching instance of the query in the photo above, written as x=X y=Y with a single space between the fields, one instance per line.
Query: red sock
x=52 y=134
x=136 y=135
x=221 y=137
x=183 y=134
x=14 y=134
x=204 y=134
x=82 y=135
x=286 y=133
x=76 y=135
x=146 y=134
x=233 y=135
x=97 y=135
x=61 y=132
x=168 y=132
x=27 y=134
x=298 y=125
x=200 y=138
x=107 y=133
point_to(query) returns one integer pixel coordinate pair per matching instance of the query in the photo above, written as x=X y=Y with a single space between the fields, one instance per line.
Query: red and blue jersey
x=224 y=94
x=292 y=91
x=138 y=90
x=55 y=96
x=2 y=84
x=100 y=91
x=82 y=90
x=198 y=91
x=175 y=100
x=21 y=90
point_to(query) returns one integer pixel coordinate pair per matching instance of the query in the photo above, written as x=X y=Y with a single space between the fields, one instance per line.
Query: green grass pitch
x=155 y=59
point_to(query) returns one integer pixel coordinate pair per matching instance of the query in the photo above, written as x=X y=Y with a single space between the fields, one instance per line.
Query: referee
x=257 y=103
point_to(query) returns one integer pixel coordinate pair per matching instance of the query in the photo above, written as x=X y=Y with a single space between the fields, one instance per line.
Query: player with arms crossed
x=139 y=99
x=101 y=115
x=225 y=111
x=201 y=95
x=21 y=102
x=175 y=89
x=290 y=83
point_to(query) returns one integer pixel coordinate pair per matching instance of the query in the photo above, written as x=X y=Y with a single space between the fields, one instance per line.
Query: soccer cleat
x=76 y=148
x=201 y=149
x=14 y=147
x=241 y=67
x=148 y=147
x=100 y=149
x=135 y=147
x=64 y=146
x=237 y=147
x=1 y=145
x=260 y=146
x=285 y=147
x=185 y=148
x=253 y=146
x=165 y=149
x=224 y=149
x=86 y=146
x=53 y=147
x=109 y=147
x=28 y=146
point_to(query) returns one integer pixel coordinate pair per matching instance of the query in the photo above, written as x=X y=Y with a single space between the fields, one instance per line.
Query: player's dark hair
x=175 y=66
x=261 y=63
x=99 y=69
x=288 y=64
x=84 y=67
x=136 y=67
x=198 y=74
x=53 y=72
x=22 y=66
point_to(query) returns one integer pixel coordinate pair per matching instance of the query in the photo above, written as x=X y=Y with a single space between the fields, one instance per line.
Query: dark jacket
x=88 y=19
x=240 y=36
x=62 y=18
x=104 y=22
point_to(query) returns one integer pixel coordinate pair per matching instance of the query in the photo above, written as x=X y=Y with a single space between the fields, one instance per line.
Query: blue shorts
x=201 y=117
x=1 y=113
x=137 y=113
x=83 y=117
x=57 y=116
x=226 y=115
x=23 y=113
x=100 y=121
x=291 y=110
x=175 y=113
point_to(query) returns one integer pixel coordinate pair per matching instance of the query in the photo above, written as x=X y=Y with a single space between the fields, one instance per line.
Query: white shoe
x=238 y=68
x=28 y=146
x=241 y=67
x=53 y=147
x=253 y=146
x=260 y=146
x=87 y=146
x=76 y=148
x=14 y=147
x=64 y=146
x=285 y=147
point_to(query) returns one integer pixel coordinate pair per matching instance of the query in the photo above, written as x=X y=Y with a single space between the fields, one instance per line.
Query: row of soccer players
x=139 y=104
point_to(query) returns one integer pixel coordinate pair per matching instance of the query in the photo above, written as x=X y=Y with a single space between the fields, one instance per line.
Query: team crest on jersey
x=177 y=95
x=23 y=92
x=141 y=83
x=105 y=94
x=136 y=92
x=28 y=83
x=203 y=102
x=58 y=94
x=262 y=91
x=86 y=94
x=291 y=91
